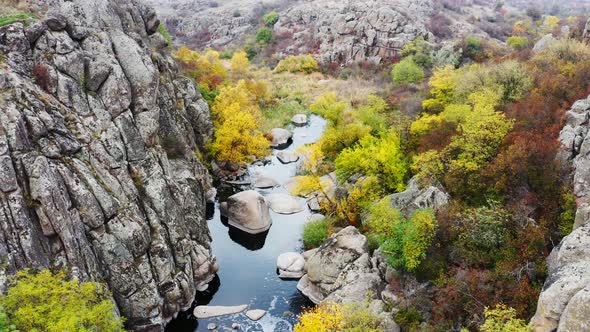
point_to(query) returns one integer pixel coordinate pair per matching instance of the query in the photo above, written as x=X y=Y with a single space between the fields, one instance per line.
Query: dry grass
x=308 y=88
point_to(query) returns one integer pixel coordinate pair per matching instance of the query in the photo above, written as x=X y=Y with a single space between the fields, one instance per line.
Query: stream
x=247 y=262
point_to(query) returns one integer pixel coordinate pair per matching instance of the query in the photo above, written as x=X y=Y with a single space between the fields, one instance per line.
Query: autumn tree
x=502 y=319
x=236 y=116
x=206 y=69
x=380 y=157
x=240 y=64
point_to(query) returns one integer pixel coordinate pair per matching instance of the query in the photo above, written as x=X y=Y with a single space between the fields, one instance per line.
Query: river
x=247 y=263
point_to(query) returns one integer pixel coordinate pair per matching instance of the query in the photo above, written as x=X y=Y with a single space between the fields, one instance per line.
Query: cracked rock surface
x=98 y=174
x=564 y=303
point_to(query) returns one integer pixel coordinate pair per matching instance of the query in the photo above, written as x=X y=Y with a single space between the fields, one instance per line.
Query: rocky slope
x=564 y=303
x=207 y=23
x=98 y=173
x=334 y=31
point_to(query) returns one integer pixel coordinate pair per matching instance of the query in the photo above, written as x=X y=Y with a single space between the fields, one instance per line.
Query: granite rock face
x=333 y=31
x=98 y=173
x=564 y=304
x=347 y=32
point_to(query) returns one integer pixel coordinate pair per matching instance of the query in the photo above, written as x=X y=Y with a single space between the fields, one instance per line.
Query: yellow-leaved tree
x=237 y=119
x=240 y=64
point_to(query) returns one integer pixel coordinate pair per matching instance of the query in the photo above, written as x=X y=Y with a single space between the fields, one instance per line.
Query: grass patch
x=279 y=114
x=165 y=33
x=17 y=17
x=315 y=233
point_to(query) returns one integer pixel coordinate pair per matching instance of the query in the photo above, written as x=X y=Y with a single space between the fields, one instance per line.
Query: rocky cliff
x=337 y=31
x=98 y=170
x=564 y=303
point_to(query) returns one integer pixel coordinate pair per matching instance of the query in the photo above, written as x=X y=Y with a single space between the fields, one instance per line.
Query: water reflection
x=249 y=241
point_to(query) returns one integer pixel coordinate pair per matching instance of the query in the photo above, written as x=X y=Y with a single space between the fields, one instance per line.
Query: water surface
x=247 y=262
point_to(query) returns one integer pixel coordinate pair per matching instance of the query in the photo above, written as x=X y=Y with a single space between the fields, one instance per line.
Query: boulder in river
x=255 y=314
x=280 y=138
x=284 y=203
x=265 y=182
x=205 y=311
x=247 y=211
x=299 y=120
x=290 y=265
x=287 y=157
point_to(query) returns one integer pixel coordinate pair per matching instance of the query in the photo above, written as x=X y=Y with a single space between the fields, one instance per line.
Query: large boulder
x=544 y=43
x=247 y=211
x=341 y=270
x=280 y=138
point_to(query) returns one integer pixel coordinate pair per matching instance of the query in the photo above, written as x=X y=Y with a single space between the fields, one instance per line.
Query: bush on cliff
x=47 y=301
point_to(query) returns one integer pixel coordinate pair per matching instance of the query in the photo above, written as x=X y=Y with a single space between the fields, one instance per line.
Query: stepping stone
x=284 y=203
x=287 y=157
x=265 y=182
x=204 y=311
x=280 y=138
x=299 y=120
x=255 y=314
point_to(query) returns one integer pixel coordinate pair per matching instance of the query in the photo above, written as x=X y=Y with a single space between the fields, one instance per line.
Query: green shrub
x=47 y=301
x=165 y=33
x=517 y=42
x=270 y=19
x=264 y=36
x=299 y=63
x=420 y=51
x=315 y=233
x=5 y=325
x=567 y=216
x=227 y=55
x=408 y=318
x=407 y=72
x=12 y=18
x=411 y=238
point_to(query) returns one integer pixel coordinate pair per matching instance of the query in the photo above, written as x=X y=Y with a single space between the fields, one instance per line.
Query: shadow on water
x=185 y=321
x=249 y=241
x=247 y=262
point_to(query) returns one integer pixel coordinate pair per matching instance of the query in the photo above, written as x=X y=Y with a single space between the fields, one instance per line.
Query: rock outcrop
x=98 y=173
x=564 y=303
x=418 y=196
x=346 y=32
x=342 y=32
x=341 y=270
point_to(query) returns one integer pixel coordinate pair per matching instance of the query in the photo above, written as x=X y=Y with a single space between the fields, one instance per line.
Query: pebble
x=211 y=326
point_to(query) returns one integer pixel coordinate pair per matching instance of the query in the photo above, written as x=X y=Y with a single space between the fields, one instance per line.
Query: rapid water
x=247 y=262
